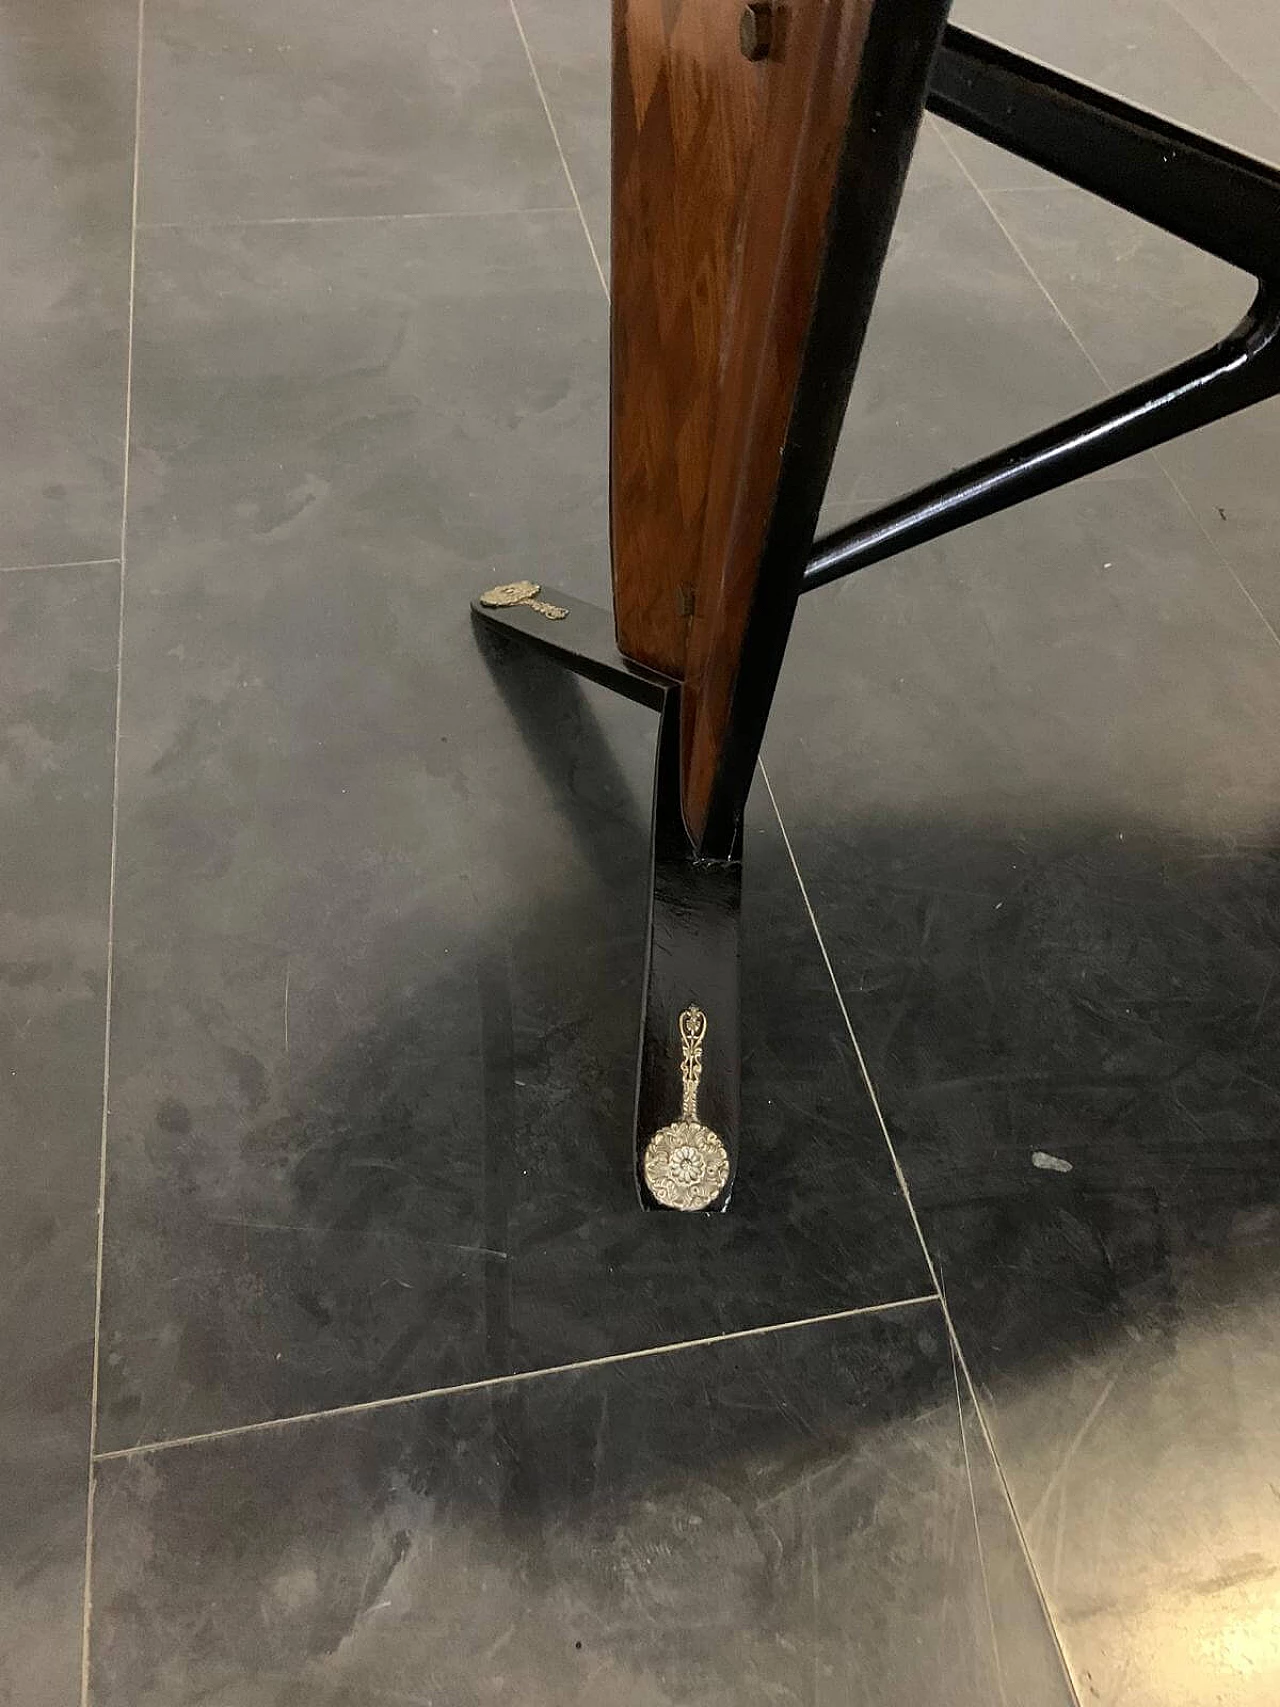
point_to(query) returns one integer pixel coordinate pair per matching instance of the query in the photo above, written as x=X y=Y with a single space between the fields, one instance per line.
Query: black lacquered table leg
x=687 y=1095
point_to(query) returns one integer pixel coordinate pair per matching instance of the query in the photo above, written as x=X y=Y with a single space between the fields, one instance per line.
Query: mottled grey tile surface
x=270 y=109
x=1132 y=1385
x=67 y=81
x=1021 y=1631
x=569 y=43
x=378 y=951
x=781 y=1519
x=1138 y=301
x=1243 y=34
x=58 y=633
x=1080 y=659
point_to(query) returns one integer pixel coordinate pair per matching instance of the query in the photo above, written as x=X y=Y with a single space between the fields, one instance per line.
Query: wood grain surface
x=742 y=192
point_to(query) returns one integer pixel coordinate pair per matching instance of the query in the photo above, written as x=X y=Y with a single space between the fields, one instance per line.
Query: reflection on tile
x=66 y=138
x=57 y=710
x=1033 y=795
x=267 y=109
x=1120 y=1315
x=378 y=968
x=1139 y=1434
x=782 y=1518
x=1070 y=1037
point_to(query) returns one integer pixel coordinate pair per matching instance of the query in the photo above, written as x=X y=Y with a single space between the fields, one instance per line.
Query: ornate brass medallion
x=522 y=593
x=686 y=1164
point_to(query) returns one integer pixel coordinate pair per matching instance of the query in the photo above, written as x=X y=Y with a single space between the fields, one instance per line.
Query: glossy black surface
x=1222 y=201
x=1029 y=774
x=1188 y=184
x=692 y=961
x=1241 y=370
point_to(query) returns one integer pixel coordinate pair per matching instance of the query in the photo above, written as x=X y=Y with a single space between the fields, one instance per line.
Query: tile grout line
x=957 y=1348
x=555 y=137
x=91 y=1491
x=74 y=563
x=345 y=218
x=1218 y=54
x=1154 y=453
x=857 y=1047
x=1032 y=1569
x=365 y=1407
x=977 y=1530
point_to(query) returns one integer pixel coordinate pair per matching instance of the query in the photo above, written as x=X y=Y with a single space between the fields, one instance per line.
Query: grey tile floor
x=374 y=1386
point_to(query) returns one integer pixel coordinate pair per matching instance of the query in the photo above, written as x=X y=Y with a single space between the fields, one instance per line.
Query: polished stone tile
x=569 y=41
x=62 y=22
x=1028 y=775
x=784 y=1518
x=963 y=353
x=1139 y=301
x=1082 y=658
x=58 y=631
x=1131 y=1376
x=1142 y=50
x=1226 y=473
x=1244 y=35
x=1120 y=1316
x=1022 y=1632
x=270 y=109
x=378 y=959
x=67 y=81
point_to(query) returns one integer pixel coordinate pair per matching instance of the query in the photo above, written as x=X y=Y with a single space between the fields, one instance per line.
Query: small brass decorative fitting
x=755 y=29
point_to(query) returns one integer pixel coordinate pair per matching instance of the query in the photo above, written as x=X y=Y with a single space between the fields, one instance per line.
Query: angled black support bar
x=1198 y=190
x=1243 y=369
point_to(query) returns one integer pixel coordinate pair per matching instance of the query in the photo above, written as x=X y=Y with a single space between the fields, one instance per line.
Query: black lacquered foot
x=687 y=1096
x=574 y=633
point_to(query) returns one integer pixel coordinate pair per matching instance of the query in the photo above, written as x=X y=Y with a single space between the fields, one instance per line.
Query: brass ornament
x=522 y=593
x=685 y=1164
